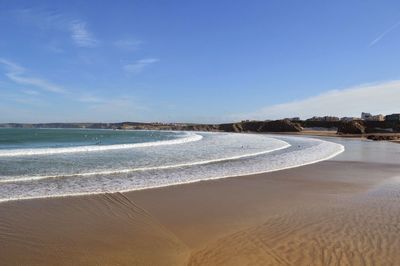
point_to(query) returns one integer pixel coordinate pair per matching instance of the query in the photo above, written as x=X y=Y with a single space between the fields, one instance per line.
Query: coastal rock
x=261 y=126
x=232 y=127
x=200 y=128
x=280 y=126
x=352 y=127
x=383 y=137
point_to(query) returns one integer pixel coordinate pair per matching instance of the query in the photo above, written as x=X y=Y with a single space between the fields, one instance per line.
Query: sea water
x=36 y=163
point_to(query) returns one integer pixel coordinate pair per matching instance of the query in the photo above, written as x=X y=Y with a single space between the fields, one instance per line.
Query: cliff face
x=280 y=126
x=261 y=126
x=361 y=127
x=320 y=124
x=232 y=127
x=201 y=128
x=382 y=126
x=352 y=127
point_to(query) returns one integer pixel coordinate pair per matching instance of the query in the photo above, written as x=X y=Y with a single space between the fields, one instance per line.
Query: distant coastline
x=375 y=130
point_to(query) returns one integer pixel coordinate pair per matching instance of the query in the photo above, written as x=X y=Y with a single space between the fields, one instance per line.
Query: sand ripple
x=362 y=231
x=106 y=229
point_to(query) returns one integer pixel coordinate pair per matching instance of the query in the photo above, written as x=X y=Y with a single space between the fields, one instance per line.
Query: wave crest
x=129 y=170
x=48 y=151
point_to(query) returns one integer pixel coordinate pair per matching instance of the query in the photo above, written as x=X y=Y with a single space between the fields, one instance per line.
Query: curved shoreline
x=309 y=215
x=341 y=150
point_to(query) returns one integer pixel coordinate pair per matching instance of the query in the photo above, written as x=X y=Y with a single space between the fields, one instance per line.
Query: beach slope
x=344 y=211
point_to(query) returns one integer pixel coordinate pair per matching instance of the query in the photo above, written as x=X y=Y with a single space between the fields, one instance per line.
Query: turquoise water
x=16 y=138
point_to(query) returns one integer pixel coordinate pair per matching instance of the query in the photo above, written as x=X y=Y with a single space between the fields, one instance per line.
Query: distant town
x=364 y=117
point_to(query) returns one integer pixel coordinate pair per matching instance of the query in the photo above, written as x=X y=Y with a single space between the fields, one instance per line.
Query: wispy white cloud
x=17 y=74
x=128 y=44
x=40 y=83
x=45 y=19
x=139 y=65
x=80 y=34
x=11 y=66
x=41 y=18
x=382 y=35
x=376 y=98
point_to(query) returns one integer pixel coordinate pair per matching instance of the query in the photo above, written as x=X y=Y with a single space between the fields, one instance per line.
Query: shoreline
x=321 y=212
x=179 y=184
x=341 y=150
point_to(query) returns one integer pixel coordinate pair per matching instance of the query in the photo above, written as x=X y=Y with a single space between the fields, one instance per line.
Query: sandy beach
x=343 y=211
x=199 y=133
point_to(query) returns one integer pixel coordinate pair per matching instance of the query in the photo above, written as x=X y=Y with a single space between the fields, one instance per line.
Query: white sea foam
x=124 y=171
x=217 y=155
x=49 y=151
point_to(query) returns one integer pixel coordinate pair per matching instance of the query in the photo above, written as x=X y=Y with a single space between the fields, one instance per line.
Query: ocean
x=37 y=163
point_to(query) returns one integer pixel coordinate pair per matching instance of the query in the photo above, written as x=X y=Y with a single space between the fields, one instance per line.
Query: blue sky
x=196 y=61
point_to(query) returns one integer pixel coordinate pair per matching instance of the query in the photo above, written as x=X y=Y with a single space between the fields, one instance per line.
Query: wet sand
x=345 y=211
